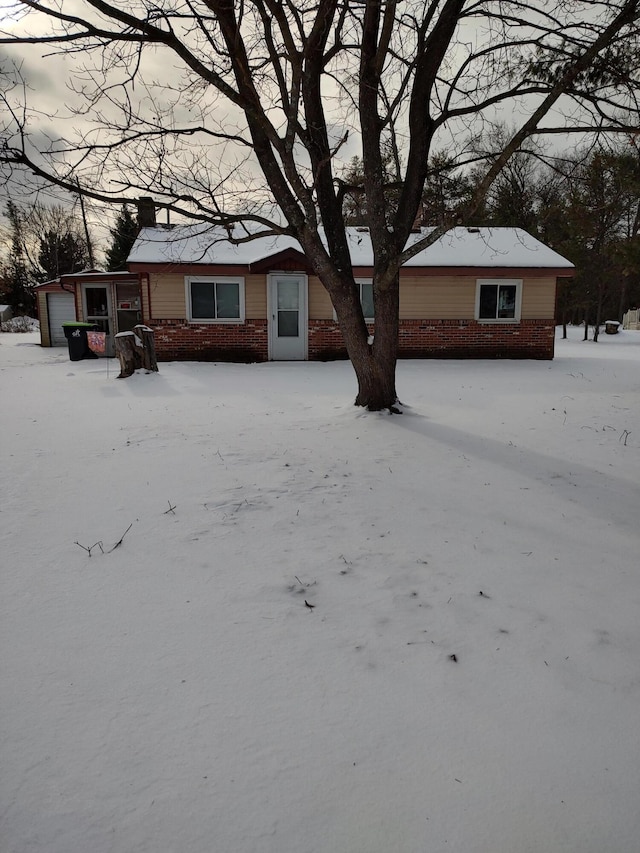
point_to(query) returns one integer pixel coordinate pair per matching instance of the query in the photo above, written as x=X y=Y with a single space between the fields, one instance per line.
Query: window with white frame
x=215 y=299
x=365 y=287
x=366 y=299
x=498 y=300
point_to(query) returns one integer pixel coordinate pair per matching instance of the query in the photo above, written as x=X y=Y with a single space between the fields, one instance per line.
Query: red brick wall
x=177 y=340
x=470 y=339
x=449 y=339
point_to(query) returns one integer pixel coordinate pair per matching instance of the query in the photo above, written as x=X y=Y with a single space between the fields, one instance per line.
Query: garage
x=61 y=308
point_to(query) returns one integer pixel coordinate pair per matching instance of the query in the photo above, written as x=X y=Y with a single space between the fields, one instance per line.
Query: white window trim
x=214 y=279
x=499 y=281
x=359 y=282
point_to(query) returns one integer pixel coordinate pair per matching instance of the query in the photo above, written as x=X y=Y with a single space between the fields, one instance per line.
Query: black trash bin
x=76 y=335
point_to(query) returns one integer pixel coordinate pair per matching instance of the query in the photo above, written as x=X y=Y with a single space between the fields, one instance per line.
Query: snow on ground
x=176 y=694
x=20 y=324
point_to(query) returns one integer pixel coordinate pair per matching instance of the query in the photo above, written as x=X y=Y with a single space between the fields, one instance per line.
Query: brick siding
x=470 y=339
x=177 y=340
x=448 y=339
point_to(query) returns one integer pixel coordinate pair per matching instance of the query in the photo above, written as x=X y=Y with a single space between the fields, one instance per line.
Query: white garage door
x=62 y=307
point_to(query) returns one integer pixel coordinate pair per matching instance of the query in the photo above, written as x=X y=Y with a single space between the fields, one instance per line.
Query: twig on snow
x=90 y=549
x=120 y=540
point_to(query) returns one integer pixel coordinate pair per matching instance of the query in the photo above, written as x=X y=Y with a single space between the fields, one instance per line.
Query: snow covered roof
x=86 y=275
x=459 y=247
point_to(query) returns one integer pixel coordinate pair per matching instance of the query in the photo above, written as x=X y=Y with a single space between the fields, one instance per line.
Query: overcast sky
x=54 y=80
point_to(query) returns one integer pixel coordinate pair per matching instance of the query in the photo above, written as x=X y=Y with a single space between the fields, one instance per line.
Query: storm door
x=96 y=299
x=288 y=317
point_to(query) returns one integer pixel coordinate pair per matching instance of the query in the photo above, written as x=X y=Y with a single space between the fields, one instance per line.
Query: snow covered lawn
x=466 y=679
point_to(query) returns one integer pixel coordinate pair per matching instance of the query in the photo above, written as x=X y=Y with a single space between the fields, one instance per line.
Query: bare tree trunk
x=596 y=328
x=374 y=363
x=622 y=304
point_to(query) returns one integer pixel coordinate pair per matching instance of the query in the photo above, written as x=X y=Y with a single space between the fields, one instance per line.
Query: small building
x=631 y=320
x=5 y=313
x=112 y=301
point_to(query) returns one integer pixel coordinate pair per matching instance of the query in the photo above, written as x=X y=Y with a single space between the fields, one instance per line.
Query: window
x=498 y=301
x=215 y=300
x=366 y=299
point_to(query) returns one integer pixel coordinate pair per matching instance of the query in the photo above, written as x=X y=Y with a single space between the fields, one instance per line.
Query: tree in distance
x=123 y=235
x=247 y=115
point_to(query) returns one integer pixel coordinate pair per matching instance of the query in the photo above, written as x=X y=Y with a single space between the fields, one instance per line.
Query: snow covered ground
x=467 y=678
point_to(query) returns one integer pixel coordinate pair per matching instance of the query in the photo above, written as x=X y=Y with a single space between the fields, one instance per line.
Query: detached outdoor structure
x=475 y=293
x=110 y=301
x=631 y=320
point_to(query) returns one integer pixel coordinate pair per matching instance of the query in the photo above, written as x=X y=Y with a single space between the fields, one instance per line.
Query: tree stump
x=129 y=355
x=136 y=349
x=145 y=334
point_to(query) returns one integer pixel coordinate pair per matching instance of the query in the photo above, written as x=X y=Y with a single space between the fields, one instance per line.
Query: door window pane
x=96 y=301
x=227 y=300
x=288 y=295
x=103 y=325
x=288 y=324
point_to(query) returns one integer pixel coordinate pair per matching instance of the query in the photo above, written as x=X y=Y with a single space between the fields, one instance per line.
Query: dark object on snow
x=136 y=349
x=454 y=658
x=76 y=335
x=310 y=606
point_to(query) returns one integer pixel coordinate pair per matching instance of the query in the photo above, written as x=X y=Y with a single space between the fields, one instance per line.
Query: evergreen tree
x=446 y=189
x=17 y=290
x=60 y=253
x=123 y=236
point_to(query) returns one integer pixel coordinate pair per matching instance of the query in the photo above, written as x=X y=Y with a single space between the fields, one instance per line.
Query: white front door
x=288 y=317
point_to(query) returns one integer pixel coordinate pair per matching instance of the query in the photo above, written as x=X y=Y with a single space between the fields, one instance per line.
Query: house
x=476 y=292
x=5 y=313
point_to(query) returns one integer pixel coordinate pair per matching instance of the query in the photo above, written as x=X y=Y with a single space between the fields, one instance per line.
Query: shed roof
x=88 y=275
x=459 y=247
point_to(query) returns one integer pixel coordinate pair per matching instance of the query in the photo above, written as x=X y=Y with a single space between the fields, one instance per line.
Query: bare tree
x=247 y=113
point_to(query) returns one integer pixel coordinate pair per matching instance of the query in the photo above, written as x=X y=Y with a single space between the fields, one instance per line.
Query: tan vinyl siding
x=442 y=298
x=320 y=307
x=454 y=298
x=255 y=297
x=168 y=296
x=538 y=298
x=421 y=298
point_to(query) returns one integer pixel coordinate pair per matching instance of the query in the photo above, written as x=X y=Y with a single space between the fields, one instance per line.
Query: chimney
x=146 y=212
x=418 y=222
